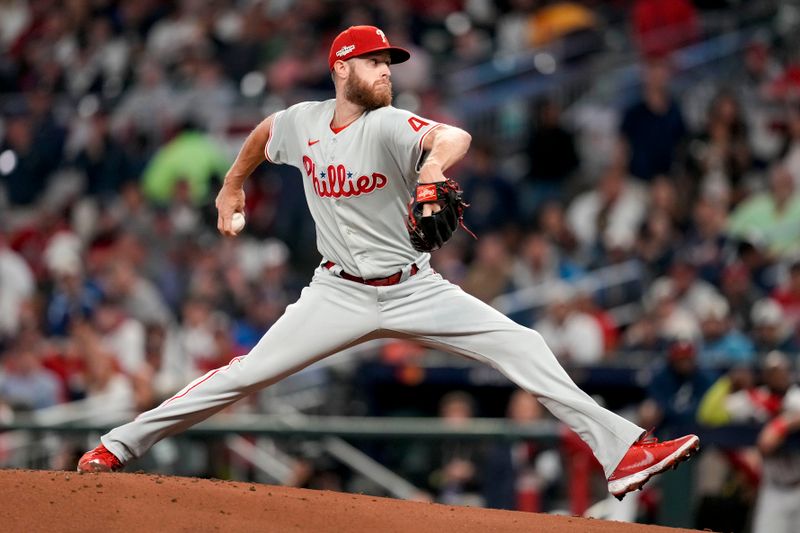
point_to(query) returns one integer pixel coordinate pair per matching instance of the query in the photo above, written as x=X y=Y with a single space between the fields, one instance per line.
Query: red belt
x=394 y=279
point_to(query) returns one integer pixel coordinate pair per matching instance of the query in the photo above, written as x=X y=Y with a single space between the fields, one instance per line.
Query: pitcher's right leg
x=332 y=314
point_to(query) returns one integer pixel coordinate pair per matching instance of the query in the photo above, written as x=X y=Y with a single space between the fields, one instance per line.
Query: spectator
x=706 y=241
x=27 y=166
x=137 y=295
x=553 y=157
x=73 y=297
x=790 y=152
x=148 y=107
x=661 y=26
x=644 y=337
x=760 y=69
x=672 y=320
x=521 y=476
x=132 y=211
x=776 y=509
x=197 y=336
x=276 y=280
x=166 y=360
x=513 y=26
x=734 y=399
x=720 y=158
x=653 y=128
x=122 y=336
x=25 y=384
x=489 y=275
x=540 y=262
x=258 y=316
x=730 y=476
x=772 y=217
x=456 y=476
x=759 y=263
x=191 y=157
x=552 y=222
x=611 y=210
x=493 y=201
x=741 y=294
x=663 y=198
x=103 y=160
x=585 y=303
x=575 y=337
x=656 y=244
x=107 y=389
x=210 y=96
x=68 y=362
x=771 y=331
x=723 y=345
x=675 y=390
x=16 y=287
x=682 y=283
x=787 y=294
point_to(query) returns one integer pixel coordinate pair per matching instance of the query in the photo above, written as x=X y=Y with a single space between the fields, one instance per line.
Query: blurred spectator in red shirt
x=661 y=26
x=787 y=294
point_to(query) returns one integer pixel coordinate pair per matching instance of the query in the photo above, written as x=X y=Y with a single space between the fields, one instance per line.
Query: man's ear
x=340 y=70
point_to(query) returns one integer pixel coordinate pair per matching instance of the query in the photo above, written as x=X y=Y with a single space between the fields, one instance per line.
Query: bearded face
x=369 y=96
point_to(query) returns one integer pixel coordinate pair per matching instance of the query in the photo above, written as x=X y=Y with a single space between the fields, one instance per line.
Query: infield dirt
x=32 y=501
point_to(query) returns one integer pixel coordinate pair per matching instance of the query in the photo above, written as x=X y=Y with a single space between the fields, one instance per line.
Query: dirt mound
x=67 y=501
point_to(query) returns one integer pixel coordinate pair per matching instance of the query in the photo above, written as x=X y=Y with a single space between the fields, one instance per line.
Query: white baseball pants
x=333 y=314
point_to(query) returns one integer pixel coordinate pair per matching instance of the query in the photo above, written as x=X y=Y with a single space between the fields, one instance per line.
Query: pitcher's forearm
x=250 y=155
x=446 y=146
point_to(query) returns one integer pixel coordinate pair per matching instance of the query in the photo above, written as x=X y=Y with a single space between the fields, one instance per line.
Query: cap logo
x=344 y=50
x=382 y=36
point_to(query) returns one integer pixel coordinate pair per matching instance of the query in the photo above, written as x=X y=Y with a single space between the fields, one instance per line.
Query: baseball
x=237 y=222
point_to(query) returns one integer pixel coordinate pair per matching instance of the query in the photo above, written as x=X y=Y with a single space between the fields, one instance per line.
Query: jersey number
x=417 y=123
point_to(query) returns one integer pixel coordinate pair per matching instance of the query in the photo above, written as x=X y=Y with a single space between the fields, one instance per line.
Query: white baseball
x=237 y=222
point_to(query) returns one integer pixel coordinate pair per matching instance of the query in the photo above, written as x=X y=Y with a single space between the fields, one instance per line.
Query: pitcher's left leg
x=441 y=314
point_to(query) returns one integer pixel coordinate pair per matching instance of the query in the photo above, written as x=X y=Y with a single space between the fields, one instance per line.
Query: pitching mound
x=66 y=501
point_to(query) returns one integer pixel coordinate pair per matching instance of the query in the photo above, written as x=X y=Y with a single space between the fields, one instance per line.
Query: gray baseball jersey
x=357 y=181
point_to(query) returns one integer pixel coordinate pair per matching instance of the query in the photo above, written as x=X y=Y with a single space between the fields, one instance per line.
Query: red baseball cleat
x=99 y=460
x=647 y=458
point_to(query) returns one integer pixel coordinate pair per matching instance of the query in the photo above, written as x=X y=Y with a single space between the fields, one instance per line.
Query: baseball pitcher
x=374 y=180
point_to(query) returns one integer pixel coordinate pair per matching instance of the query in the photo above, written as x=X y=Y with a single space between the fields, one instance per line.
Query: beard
x=360 y=93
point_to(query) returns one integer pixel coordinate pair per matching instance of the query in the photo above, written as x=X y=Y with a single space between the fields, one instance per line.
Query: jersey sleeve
x=276 y=149
x=283 y=144
x=403 y=132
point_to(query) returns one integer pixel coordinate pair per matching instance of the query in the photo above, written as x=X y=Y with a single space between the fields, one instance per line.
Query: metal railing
x=317 y=427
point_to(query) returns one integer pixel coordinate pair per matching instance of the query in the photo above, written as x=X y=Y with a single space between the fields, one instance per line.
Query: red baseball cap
x=357 y=41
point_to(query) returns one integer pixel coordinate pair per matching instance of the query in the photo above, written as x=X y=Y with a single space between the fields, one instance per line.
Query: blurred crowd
x=118 y=118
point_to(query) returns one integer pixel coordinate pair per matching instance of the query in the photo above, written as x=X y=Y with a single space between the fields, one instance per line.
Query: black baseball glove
x=429 y=233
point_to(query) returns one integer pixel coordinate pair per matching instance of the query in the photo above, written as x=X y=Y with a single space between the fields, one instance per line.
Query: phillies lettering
x=337 y=182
